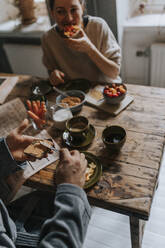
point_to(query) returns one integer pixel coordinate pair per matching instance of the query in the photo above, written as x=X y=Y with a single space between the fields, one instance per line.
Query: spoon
x=60 y=91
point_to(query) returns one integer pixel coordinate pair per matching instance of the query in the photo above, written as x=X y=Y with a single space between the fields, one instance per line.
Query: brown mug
x=78 y=127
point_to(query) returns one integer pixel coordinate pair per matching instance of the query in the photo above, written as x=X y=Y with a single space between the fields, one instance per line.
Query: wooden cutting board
x=95 y=99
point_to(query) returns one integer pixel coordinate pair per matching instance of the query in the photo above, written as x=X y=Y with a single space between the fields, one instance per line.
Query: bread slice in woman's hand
x=72 y=31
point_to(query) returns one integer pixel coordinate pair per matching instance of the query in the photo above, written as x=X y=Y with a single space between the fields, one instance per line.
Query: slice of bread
x=37 y=150
x=71 y=31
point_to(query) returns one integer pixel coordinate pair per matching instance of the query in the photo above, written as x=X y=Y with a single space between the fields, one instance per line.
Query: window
x=138 y=7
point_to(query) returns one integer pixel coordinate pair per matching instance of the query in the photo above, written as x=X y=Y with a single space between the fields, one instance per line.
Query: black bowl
x=81 y=84
x=114 y=137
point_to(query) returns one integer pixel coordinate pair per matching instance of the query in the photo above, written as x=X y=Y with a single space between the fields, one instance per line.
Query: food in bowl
x=71 y=101
x=71 y=31
x=73 y=93
x=114 y=93
x=89 y=171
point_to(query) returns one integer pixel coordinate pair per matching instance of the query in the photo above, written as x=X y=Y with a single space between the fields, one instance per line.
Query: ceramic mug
x=114 y=137
x=78 y=127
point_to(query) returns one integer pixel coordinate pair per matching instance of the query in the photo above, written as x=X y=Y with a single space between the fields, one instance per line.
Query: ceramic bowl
x=114 y=137
x=76 y=93
x=114 y=99
x=76 y=84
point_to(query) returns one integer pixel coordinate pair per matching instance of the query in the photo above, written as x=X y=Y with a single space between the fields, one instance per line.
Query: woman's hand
x=82 y=44
x=17 y=142
x=56 y=77
x=71 y=168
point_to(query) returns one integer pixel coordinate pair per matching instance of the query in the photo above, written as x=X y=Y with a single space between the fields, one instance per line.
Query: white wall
x=122 y=7
x=26 y=59
x=139 y=33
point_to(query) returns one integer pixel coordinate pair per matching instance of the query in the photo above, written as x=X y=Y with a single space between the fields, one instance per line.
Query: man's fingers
x=75 y=153
x=64 y=154
x=82 y=155
x=86 y=163
x=27 y=140
x=26 y=157
x=23 y=126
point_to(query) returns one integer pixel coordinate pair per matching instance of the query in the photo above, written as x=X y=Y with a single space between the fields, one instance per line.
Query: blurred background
x=139 y=27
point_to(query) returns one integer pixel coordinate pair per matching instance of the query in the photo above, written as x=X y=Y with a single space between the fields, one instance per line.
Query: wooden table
x=129 y=179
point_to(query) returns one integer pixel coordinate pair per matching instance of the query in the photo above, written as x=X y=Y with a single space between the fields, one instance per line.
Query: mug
x=114 y=137
x=78 y=127
x=60 y=114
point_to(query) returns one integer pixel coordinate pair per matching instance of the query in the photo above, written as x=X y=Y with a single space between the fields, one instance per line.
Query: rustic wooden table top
x=129 y=179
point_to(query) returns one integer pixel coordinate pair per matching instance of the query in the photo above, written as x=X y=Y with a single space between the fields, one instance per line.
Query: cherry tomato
x=115 y=95
x=106 y=91
x=110 y=94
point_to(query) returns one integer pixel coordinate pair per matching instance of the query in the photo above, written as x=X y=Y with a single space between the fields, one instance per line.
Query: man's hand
x=71 y=168
x=18 y=142
x=56 y=77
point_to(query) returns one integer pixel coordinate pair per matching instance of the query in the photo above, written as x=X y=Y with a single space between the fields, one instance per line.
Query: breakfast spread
x=71 y=101
x=71 y=31
x=37 y=111
x=37 y=149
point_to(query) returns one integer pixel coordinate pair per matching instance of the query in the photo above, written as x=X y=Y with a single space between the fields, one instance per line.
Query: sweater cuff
x=67 y=188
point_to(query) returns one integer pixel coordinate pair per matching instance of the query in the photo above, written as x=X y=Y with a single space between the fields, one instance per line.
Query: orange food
x=29 y=105
x=70 y=31
x=37 y=111
x=33 y=115
x=71 y=100
x=35 y=107
x=38 y=103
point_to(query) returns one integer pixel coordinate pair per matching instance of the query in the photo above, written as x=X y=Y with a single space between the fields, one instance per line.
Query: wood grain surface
x=129 y=178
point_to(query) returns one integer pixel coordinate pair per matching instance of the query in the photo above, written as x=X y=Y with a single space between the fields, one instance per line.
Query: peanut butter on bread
x=37 y=150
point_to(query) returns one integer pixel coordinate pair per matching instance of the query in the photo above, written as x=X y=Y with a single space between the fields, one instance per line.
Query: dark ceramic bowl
x=76 y=84
x=77 y=93
x=114 y=137
x=116 y=99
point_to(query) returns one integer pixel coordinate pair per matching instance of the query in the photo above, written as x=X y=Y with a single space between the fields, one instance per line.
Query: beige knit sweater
x=56 y=54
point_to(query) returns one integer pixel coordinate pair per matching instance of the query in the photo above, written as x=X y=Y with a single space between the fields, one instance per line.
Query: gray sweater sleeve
x=7 y=162
x=8 y=165
x=69 y=225
x=7 y=228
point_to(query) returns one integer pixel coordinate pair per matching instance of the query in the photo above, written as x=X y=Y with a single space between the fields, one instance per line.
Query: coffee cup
x=78 y=127
x=114 y=137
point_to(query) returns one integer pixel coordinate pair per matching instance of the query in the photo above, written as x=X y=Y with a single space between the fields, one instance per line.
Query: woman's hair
x=51 y=3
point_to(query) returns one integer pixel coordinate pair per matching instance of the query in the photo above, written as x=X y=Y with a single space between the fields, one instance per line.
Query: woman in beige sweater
x=95 y=55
